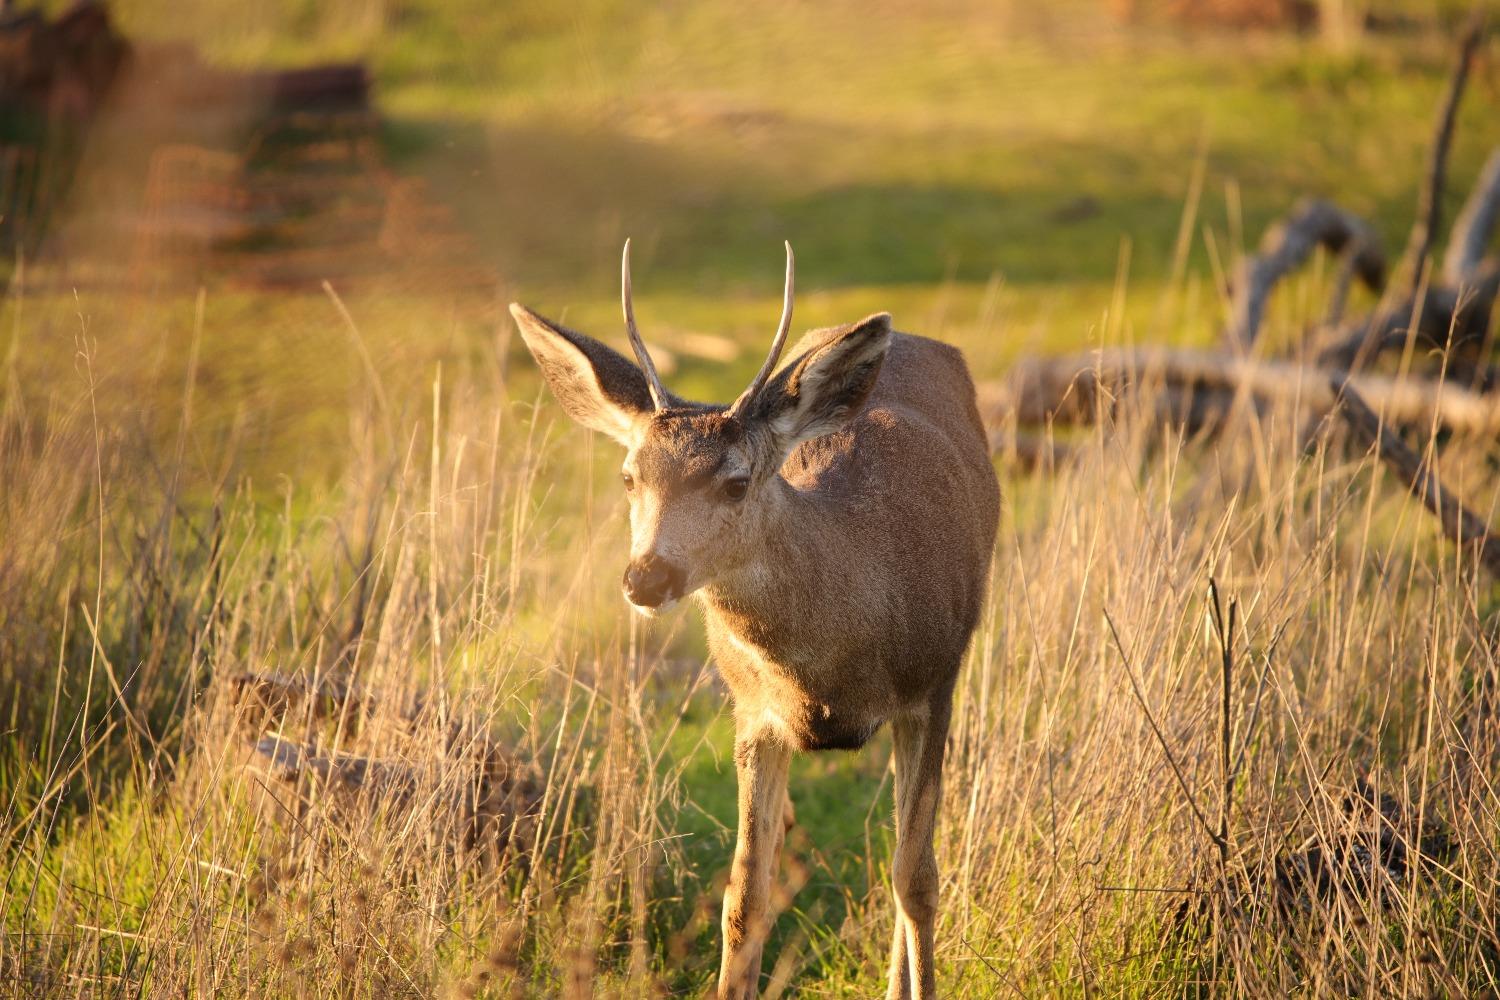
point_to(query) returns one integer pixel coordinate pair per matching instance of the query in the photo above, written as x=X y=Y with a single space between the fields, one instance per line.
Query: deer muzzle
x=651 y=581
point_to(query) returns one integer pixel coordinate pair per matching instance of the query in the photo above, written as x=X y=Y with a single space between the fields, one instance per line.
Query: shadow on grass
x=551 y=205
x=551 y=202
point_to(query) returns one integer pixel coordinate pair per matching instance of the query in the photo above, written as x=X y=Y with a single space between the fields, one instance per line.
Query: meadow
x=349 y=525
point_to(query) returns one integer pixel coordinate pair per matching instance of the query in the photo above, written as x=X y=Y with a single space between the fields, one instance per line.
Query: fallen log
x=490 y=801
x=1463 y=527
x=1077 y=389
x=418 y=758
x=1448 y=310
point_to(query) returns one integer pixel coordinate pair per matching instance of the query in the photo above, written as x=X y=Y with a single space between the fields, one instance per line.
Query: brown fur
x=872 y=574
x=839 y=594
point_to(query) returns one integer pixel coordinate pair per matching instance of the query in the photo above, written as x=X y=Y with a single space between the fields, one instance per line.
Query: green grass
x=894 y=147
x=986 y=175
x=992 y=177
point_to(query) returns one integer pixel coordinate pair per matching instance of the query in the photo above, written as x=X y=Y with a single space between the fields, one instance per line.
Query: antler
x=653 y=381
x=759 y=381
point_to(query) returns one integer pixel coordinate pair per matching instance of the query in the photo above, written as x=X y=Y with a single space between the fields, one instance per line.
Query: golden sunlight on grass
x=315 y=677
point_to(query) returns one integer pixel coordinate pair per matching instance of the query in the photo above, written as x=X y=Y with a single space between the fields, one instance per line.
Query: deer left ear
x=819 y=392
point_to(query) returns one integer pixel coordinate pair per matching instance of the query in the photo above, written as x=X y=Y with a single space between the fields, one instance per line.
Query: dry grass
x=502 y=784
x=1100 y=834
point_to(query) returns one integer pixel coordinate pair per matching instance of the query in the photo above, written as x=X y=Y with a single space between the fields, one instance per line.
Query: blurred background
x=993 y=173
x=288 y=521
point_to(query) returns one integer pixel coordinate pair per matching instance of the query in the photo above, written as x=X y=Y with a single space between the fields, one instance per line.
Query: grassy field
x=201 y=486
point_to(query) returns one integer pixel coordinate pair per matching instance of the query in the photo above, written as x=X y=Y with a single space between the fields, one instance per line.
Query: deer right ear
x=597 y=386
x=819 y=392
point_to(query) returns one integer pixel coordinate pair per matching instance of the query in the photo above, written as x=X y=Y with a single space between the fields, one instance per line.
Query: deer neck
x=770 y=601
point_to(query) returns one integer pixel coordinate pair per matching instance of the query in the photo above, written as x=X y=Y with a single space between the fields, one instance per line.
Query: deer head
x=703 y=480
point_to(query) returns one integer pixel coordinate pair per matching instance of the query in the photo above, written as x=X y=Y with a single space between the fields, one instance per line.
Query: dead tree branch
x=1430 y=198
x=1286 y=247
x=1443 y=317
x=1475 y=226
x=1191 y=386
x=1462 y=526
x=1351 y=263
x=487 y=788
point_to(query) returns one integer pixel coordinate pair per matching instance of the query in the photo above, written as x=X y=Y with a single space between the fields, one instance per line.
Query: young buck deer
x=835 y=522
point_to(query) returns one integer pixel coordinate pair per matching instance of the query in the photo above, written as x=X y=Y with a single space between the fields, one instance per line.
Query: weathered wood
x=1462 y=526
x=1430 y=197
x=1343 y=280
x=489 y=791
x=1444 y=317
x=1077 y=389
x=1445 y=314
x=1475 y=226
x=1286 y=247
x=491 y=800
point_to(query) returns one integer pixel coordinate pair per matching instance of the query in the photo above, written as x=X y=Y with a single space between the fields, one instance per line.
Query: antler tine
x=653 y=381
x=778 y=342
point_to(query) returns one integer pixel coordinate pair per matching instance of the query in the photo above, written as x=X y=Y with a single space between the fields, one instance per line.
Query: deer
x=835 y=523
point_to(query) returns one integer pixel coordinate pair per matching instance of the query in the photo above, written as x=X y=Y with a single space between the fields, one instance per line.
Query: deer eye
x=628 y=480
x=734 y=489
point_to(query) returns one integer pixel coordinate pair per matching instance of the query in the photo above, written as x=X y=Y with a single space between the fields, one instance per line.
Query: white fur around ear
x=597 y=386
x=829 y=384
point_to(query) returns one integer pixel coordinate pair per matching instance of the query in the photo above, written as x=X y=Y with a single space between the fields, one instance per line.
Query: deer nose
x=651 y=581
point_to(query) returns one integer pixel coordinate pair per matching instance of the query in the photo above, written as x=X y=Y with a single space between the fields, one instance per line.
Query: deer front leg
x=761 y=761
x=898 y=977
x=918 y=739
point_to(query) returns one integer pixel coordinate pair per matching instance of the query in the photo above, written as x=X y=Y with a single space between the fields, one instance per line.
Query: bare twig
x=1463 y=527
x=1166 y=750
x=1430 y=198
